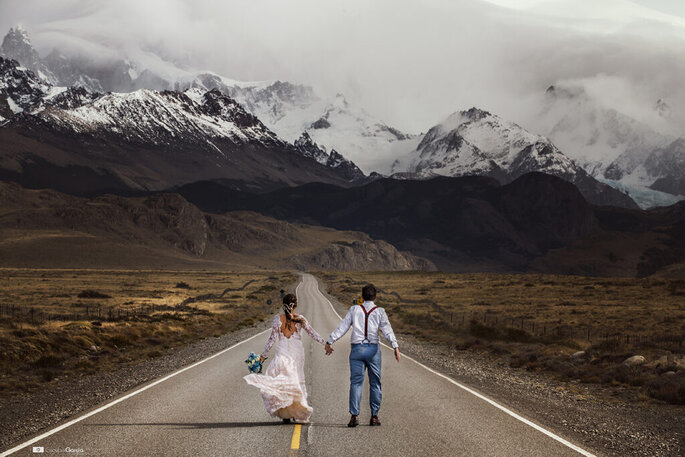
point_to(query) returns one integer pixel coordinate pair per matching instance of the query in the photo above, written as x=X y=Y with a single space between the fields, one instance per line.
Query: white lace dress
x=282 y=386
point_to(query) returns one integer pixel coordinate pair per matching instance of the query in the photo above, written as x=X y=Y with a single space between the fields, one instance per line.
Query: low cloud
x=409 y=63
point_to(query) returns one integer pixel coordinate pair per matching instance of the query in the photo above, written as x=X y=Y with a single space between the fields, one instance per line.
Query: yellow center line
x=295 y=442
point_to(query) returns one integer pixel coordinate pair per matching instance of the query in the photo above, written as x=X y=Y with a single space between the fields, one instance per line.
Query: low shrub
x=48 y=361
x=483 y=331
x=670 y=389
x=89 y=293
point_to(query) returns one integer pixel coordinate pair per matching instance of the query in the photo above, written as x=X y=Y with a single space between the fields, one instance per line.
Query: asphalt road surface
x=207 y=409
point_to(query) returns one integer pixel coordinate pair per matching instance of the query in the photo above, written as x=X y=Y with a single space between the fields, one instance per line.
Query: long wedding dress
x=282 y=386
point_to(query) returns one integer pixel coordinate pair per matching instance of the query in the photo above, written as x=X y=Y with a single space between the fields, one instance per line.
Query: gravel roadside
x=582 y=413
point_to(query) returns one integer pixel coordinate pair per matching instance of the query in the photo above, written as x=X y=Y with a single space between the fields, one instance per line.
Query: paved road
x=208 y=410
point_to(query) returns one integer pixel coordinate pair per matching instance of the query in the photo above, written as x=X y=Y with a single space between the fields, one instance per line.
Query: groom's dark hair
x=369 y=292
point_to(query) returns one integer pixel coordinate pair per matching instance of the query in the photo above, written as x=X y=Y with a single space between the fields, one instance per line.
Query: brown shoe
x=354 y=421
x=374 y=421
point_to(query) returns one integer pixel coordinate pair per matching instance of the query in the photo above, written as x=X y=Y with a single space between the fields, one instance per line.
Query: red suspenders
x=366 y=321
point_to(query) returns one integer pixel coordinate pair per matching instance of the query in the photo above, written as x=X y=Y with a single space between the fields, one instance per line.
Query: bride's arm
x=272 y=338
x=315 y=336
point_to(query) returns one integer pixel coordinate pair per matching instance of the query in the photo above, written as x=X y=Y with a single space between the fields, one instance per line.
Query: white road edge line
x=483 y=397
x=127 y=396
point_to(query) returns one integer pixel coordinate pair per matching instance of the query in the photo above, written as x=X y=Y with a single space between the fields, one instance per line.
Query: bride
x=283 y=386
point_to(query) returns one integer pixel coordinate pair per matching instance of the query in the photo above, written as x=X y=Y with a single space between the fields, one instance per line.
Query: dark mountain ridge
x=474 y=223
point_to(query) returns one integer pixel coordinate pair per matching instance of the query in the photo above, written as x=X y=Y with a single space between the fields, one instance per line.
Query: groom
x=366 y=320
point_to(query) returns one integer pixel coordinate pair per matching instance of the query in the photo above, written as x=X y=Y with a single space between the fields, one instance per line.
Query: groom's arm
x=386 y=328
x=344 y=326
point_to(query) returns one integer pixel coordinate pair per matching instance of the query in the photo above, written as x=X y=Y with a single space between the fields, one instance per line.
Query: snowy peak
x=612 y=146
x=308 y=148
x=476 y=142
x=160 y=118
x=20 y=89
x=470 y=136
x=16 y=45
x=68 y=73
x=668 y=165
x=601 y=139
x=218 y=104
x=344 y=167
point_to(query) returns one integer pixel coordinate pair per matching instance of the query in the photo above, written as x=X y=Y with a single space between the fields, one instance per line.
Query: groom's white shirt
x=355 y=319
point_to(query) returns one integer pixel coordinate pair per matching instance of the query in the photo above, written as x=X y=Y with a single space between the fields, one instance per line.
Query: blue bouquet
x=254 y=363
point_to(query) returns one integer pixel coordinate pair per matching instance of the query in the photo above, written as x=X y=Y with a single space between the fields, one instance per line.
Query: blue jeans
x=365 y=356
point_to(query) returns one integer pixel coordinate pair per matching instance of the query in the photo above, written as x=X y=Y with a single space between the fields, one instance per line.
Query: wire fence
x=513 y=326
x=34 y=315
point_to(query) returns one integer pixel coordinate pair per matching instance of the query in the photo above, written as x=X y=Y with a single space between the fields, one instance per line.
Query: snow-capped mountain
x=163 y=118
x=16 y=45
x=20 y=89
x=75 y=140
x=285 y=108
x=668 y=163
x=337 y=124
x=334 y=160
x=613 y=146
x=475 y=142
x=333 y=123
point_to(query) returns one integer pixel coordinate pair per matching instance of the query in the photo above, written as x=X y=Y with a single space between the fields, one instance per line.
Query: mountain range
x=295 y=115
x=475 y=192
x=142 y=140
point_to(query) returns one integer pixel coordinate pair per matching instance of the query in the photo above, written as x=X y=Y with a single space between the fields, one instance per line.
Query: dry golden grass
x=625 y=306
x=129 y=329
x=538 y=321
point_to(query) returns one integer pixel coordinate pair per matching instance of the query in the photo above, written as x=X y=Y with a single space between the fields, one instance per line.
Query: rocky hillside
x=43 y=228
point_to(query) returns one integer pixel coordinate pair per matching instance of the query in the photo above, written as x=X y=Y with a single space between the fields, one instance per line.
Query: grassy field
x=54 y=322
x=540 y=321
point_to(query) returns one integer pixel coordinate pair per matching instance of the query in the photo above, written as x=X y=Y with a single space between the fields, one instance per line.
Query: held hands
x=397 y=354
x=329 y=349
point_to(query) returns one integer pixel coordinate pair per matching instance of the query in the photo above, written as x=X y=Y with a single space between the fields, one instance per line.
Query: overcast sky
x=411 y=63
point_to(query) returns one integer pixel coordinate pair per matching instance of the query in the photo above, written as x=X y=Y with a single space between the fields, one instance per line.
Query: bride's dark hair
x=289 y=304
